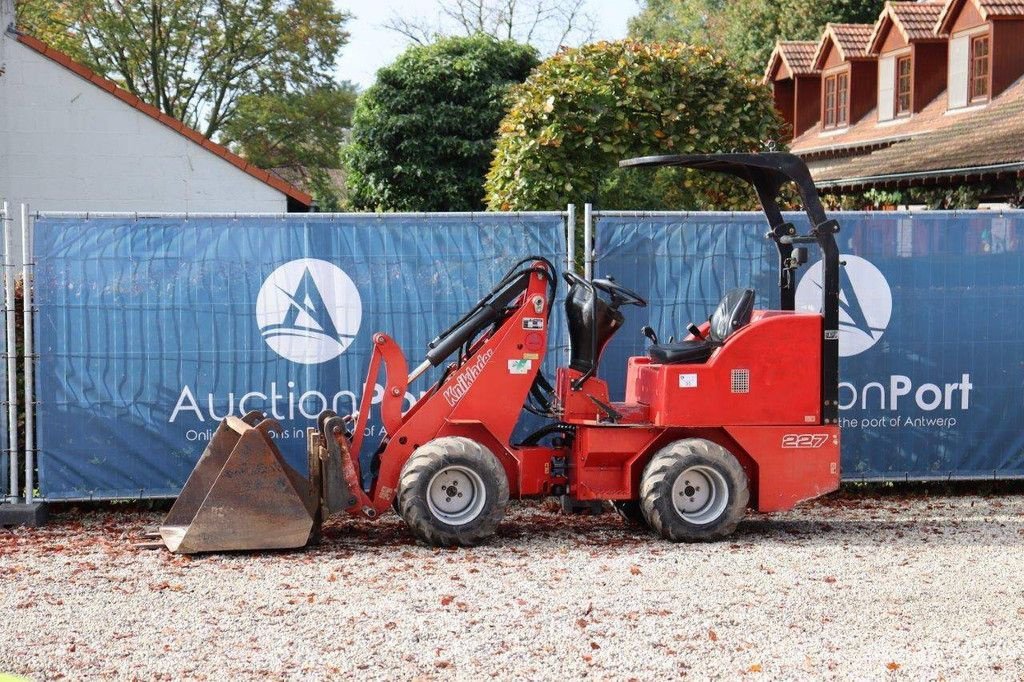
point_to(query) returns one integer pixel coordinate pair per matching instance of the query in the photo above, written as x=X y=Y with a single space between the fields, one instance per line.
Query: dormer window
x=979 y=69
x=902 y=103
x=837 y=100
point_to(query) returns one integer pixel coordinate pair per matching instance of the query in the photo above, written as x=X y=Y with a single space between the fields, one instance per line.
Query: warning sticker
x=687 y=381
x=519 y=366
x=531 y=356
x=533 y=323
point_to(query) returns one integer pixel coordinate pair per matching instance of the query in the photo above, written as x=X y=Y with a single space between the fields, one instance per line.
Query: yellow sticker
x=531 y=356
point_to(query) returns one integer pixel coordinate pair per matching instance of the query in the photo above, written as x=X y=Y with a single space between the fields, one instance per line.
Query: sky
x=372 y=46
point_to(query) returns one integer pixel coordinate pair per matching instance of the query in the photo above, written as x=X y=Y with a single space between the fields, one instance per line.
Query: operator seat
x=732 y=313
x=592 y=322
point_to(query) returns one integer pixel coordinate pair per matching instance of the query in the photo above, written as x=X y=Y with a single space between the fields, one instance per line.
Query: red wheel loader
x=741 y=414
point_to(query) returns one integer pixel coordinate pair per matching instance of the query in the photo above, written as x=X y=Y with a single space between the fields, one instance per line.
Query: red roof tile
x=173 y=123
x=987 y=8
x=914 y=20
x=797 y=55
x=850 y=39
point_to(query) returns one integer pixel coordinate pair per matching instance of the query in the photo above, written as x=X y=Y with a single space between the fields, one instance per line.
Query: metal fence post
x=29 y=354
x=10 y=320
x=588 y=241
x=570 y=237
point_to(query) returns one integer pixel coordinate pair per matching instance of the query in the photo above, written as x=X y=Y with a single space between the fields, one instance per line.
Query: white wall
x=67 y=145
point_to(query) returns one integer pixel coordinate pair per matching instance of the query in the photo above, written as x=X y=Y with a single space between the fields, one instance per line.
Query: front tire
x=452 y=491
x=693 y=490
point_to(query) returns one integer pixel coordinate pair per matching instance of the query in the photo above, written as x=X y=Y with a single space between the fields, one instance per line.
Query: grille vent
x=741 y=381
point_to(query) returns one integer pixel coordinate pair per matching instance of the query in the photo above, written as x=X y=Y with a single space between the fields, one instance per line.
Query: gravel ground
x=921 y=588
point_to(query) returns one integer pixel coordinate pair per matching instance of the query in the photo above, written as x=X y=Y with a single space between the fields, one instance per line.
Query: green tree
x=292 y=130
x=423 y=134
x=746 y=30
x=196 y=59
x=583 y=110
x=688 y=21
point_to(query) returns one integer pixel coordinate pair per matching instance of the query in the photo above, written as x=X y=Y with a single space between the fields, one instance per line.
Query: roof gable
x=797 y=56
x=850 y=39
x=914 y=20
x=131 y=100
x=988 y=9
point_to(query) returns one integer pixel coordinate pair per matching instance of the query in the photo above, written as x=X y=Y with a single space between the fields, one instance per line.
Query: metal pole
x=29 y=356
x=10 y=319
x=570 y=237
x=588 y=241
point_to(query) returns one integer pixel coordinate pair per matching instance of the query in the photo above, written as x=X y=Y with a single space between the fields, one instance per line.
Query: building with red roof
x=931 y=95
x=72 y=140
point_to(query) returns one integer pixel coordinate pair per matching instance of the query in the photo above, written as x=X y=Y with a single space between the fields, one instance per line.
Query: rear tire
x=630 y=511
x=452 y=491
x=693 y=490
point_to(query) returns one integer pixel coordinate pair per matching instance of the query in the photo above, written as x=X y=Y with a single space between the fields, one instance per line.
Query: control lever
x=611 y=414
x=647 y=331
x=695 y=330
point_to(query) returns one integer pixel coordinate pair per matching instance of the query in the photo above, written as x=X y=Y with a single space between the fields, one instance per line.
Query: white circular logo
x=309 y=311
x=865 y=302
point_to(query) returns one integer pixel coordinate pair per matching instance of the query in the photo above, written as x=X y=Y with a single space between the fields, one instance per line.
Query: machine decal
x=520 y=366
x=453 y=394
x=804 y=441
x=533 y=323
x=687 y=381
x=534 y=341
x=531 y=356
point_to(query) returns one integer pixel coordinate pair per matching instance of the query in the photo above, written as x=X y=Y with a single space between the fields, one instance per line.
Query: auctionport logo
x=865 y=303
x=309 y=311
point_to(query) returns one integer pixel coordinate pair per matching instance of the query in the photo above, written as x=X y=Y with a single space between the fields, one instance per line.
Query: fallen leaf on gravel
x=712 y=635
x=581 y=622
x=587 y=658
x=332 y=577
x=390 y=625
x=893 y=665
x=829 y=579
x=595 y=646
x=756 y=668
x=635 y=570
x=443 y=664
x=447 y=599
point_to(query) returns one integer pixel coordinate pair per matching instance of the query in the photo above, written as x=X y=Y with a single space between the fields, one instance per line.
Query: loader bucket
x=241 y=495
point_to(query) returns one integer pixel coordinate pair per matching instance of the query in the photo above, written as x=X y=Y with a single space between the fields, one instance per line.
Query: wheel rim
x=700 y=494
x=456 y=495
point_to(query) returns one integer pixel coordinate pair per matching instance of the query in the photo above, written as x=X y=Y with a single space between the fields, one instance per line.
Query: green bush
x=585 y=109
x=424 y=133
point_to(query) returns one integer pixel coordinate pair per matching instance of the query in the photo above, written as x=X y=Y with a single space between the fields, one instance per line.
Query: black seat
x=732 y=313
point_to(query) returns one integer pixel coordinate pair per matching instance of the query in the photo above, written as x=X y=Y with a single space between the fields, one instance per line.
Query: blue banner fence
x=152 y=329
x=932 y=312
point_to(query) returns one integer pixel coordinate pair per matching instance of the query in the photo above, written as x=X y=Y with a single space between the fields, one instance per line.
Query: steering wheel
x=619 y=293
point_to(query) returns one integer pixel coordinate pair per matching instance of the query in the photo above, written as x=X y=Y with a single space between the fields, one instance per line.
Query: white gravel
x=921 y=588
